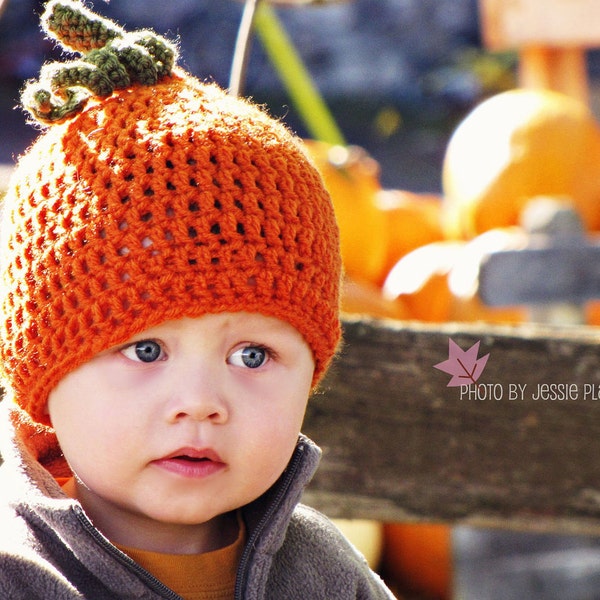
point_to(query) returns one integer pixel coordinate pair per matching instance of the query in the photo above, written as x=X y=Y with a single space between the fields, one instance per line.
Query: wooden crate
x=551 y=37
x=560 y=23
x=401 y=445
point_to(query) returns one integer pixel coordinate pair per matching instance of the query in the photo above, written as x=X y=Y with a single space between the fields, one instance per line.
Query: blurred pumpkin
x=364 y=298
x=439 y=282
x=592 y=312
x=420 y=280
x=352 y=178
x=418 y=558
x=412 y=220
x=514 y=146
x=463 y=279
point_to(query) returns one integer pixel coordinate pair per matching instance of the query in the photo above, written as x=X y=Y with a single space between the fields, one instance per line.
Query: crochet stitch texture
x=151 y=204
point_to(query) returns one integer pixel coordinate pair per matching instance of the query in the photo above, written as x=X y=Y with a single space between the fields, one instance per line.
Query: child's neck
x=168 y=538
x=128 y=529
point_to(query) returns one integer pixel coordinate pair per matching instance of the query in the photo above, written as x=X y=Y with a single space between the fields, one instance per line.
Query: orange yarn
x=154 y=204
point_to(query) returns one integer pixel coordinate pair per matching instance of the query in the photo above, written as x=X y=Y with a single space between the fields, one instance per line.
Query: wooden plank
x=551 y=37
x=542 y=275
x=516 y=23
x=401 y=445
x=556 y=265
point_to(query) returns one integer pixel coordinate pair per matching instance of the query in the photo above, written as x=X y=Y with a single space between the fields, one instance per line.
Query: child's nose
x=199 y=398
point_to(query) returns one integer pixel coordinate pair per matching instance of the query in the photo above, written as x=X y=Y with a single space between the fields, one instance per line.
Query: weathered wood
x=559 y=23
x=401 y=445
x=555 y=273
x=551 y=37
x=540 y=275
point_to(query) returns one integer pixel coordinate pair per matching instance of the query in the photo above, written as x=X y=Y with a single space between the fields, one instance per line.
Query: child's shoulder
x=314 y=530
x=318 y=554
x=23 y=568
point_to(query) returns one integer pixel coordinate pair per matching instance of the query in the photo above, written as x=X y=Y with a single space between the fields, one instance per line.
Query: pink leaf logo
x=463 y=365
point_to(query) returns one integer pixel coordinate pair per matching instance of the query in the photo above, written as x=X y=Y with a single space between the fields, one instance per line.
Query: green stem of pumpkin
x=309 y=103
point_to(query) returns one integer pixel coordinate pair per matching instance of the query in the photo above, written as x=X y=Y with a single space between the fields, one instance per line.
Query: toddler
x=169 y=293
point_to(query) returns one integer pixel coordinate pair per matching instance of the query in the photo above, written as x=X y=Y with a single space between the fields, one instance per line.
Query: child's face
x=184 y=422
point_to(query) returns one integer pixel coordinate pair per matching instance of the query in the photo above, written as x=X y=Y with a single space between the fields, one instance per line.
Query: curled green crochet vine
x=111 y=59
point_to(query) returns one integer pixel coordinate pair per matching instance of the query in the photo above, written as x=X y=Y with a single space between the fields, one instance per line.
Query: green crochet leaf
x=111 y=59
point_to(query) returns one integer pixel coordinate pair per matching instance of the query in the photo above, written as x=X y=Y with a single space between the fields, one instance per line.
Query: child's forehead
x=223 y=323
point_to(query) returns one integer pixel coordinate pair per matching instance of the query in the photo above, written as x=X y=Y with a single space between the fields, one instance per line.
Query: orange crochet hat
x=150 y=197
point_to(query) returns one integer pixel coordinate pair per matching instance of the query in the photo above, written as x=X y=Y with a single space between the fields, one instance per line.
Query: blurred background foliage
x=398 y=75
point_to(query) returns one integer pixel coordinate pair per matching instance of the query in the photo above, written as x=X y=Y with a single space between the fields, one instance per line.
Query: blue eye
x=250 y=357
x=145 y=351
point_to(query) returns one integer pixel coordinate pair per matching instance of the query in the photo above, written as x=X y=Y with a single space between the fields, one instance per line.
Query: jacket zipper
x=155 y=584
x=281 y=493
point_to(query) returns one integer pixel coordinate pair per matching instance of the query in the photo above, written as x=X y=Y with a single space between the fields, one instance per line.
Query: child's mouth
x=191 y=463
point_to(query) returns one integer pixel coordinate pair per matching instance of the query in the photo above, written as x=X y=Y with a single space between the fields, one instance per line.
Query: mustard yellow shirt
x=208 y=576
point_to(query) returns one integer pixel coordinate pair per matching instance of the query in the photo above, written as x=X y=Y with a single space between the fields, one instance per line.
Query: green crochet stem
x=77 y=28
x=306 y=98
x=112 y=59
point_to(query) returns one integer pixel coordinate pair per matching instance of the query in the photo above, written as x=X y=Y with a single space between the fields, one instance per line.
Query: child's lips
x=194 y=454
x=191 y=462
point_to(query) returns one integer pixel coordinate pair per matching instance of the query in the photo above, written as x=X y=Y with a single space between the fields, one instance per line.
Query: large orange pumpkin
x=515 y=146
x=352 y=179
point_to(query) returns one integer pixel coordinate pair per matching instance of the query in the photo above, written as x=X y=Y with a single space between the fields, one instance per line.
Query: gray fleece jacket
x=49 y=549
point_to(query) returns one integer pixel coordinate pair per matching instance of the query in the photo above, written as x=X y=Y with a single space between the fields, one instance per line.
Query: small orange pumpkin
x=412 y=220
x=364 y=298
x=352 y=179
x=438 y=282
x=420 y=281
